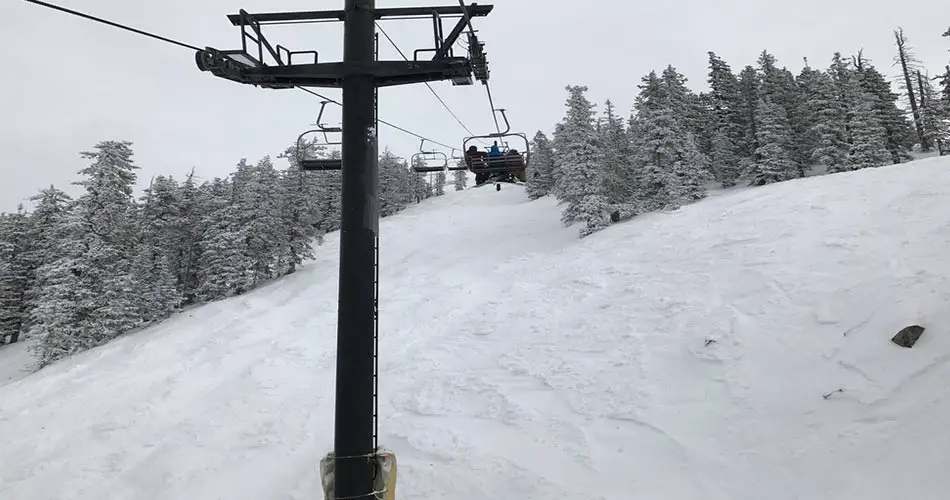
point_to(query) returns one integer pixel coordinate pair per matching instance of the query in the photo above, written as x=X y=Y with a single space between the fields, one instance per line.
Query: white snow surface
x=16 y=362
x=520 y=362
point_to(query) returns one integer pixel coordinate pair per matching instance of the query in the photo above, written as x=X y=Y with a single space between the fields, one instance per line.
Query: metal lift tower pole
x=359 y=225
x=360 y=74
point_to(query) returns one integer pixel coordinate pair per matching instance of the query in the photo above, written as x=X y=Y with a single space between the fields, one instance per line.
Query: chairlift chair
x=500 y=169
x=428 y=161
x=319 y=164
x=458 y=162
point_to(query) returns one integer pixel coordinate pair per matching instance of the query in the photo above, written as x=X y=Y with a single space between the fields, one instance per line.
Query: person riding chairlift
x=495 y=155
x=494 y=150
x=514 y=159
x=476 y=161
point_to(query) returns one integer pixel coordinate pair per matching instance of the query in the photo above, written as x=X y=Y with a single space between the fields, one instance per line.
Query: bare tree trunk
x=929 y=134
x=921 y=96
x=903 y=57
x=946 y=97
x=858 y=61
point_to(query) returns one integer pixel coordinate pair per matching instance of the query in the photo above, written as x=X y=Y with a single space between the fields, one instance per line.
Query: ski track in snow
x=680 y=355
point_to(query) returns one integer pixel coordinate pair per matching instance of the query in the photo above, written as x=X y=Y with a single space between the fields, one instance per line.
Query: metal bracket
x=247 y=65
x=444 y=46
x=507 y=125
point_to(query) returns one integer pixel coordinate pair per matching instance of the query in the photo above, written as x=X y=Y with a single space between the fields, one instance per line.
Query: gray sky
x=69 y=83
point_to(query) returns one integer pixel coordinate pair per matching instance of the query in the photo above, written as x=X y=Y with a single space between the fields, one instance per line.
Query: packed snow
x=16 y=362
x=737 y=348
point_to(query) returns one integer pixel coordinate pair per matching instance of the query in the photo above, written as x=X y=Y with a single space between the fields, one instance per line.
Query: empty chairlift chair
x=311 y=162
x=428 y=161
x=458 y=162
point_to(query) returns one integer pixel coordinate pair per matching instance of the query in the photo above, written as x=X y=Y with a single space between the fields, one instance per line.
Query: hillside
x=680 y=355
x=15 y=362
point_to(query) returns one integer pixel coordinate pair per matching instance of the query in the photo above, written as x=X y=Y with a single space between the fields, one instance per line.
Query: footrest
x=500 y=169
x=462 y=80
x=322 y=164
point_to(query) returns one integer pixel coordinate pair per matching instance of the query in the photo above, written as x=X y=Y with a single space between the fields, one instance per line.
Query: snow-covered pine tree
x=943 y=80
x=429 y=190
x=400 y=180
x=725 y=164
x=773 y=161
x=106 y=211
x=725 y=122
x=776 y=84
x=329 y=187
x=51 y=207
x=393 y=196
x=410 y=183
x=424 y=187
x=63 y=301
x=934 y=113
x=270 y=225
x=16 y=275
x=867 y=147
x=256 y=195
x=707 y=130
x=830 y=128
x=158 y=218
x=407 y=181
x=778 y=88
x=579 y=184
x=943 y=83
x=300 y=219
x=190 y=227
x=153 y=281
x=620 y=182
x=87 y=295
x=686 y=105
x=555 y=172
x=107 y=204
x=806 y=85
x=666 y=159
x=671 y=169
x=749 y=93
x=421 y=188
x=899 y=129
x=868 y=138
x=540 y=169
x=460 y=177
x=841 y=74
x=440 y=183
x=223 y=265
x=153 y=272
x=310 y=185
x=804 y=116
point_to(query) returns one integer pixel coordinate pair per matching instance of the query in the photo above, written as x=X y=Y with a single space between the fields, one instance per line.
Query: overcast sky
x=68 y=83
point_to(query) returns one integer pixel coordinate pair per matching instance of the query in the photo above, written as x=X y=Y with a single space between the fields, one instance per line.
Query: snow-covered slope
x=15 y=362
x=521 y=362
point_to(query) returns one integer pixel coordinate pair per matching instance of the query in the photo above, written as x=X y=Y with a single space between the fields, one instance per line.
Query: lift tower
x=359 y=75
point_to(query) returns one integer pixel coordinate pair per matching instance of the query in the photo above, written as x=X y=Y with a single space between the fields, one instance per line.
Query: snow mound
x=738 y=348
